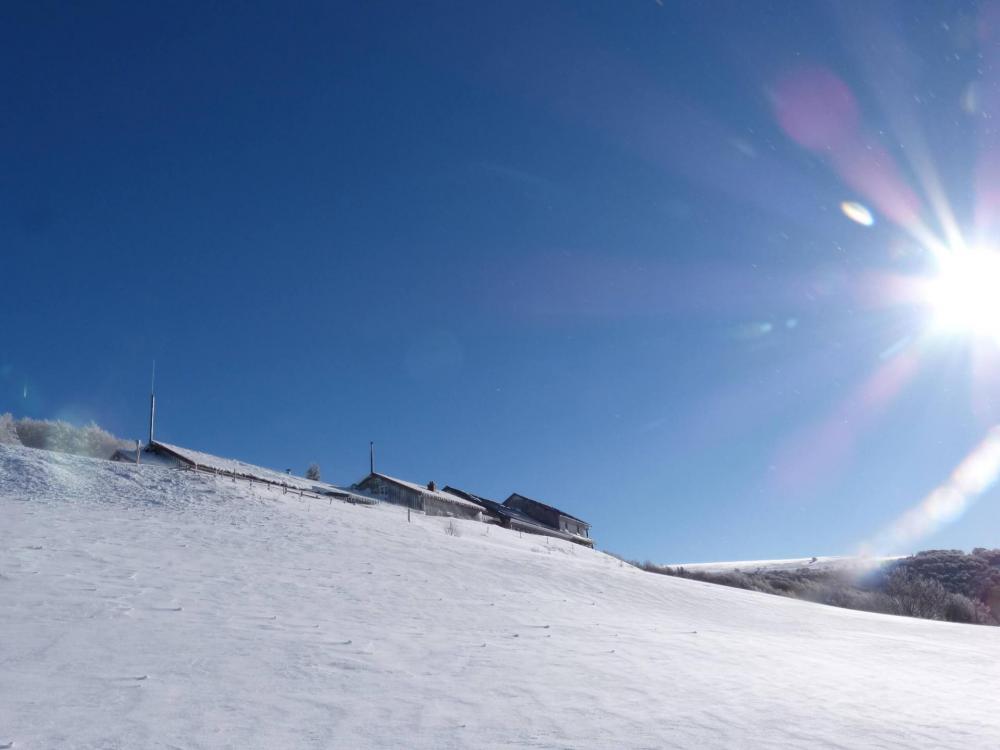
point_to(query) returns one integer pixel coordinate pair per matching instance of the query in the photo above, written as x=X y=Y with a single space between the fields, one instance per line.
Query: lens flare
x=857 y=213
x=976 y=474
x=950 y=285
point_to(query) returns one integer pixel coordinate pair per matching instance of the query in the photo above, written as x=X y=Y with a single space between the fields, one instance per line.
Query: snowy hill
x=144 y=607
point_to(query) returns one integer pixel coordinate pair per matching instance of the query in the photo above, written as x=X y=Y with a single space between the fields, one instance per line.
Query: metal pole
x=152 y=416
x=371 y=457
x=152 y=405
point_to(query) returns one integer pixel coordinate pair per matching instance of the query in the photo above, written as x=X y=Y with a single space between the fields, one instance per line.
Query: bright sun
x=965 y=294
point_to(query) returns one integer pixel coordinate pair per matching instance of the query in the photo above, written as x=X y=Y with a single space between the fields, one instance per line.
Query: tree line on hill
x=949 y=585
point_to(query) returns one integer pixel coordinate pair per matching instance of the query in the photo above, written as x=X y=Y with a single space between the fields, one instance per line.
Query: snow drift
x=144 y=607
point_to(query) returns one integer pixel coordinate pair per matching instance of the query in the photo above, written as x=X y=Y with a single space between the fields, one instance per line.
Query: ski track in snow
x=144 y=607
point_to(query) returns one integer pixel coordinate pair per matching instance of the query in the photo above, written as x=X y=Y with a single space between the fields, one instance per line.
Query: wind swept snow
x=144 y=607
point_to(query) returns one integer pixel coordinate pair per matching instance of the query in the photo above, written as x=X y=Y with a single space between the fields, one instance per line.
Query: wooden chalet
x=425 y=498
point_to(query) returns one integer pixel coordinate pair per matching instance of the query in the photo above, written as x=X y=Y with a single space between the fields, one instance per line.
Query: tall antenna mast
x=371 y=456
x=152 y=405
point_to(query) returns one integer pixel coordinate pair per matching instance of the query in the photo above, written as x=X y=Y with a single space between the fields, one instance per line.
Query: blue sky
x=589 y=252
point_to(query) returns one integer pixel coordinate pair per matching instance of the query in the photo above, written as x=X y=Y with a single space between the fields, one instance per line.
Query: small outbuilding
x=425 y=498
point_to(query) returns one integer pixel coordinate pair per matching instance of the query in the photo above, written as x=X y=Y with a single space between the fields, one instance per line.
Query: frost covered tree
x=313 y=472
x=56 y=435
x=8 y=430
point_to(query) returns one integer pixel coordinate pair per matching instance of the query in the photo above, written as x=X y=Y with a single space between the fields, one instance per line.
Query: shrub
x=963 y=609
x=916 y=596
x=313 y=472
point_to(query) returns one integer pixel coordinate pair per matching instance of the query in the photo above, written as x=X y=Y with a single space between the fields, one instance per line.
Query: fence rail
x=286 y=488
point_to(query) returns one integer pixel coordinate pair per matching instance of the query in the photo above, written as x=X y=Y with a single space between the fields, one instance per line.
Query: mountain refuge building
x=424 y=498
x=530 y=516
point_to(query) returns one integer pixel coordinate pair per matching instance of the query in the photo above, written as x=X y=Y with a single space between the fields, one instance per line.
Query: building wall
x=392 y=493
x=537 y=511
x=572 y=526
x=549 y=517
x=157 y=454
x=434 y=506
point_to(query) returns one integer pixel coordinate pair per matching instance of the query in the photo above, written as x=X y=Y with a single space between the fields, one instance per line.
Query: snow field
x=144 y=607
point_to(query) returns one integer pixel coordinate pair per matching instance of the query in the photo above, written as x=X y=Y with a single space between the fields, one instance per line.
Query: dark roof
x=490 y=505
x=499 y=508
x=518 y=519
x=485 y=502
x=545 y=505
x=467 y=495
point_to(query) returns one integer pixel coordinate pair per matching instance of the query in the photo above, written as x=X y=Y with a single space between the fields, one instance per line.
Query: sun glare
x=965 y=294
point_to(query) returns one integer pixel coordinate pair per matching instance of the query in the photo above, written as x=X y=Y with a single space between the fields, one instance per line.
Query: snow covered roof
x=242 y=469
x=443 y=496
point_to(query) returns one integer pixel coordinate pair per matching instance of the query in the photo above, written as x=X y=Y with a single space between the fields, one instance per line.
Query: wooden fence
x=345 y=497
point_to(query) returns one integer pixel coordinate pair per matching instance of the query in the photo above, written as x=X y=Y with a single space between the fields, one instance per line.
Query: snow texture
x=145 y=607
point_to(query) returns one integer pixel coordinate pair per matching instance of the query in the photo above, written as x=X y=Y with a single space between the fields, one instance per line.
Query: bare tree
x=313 y=472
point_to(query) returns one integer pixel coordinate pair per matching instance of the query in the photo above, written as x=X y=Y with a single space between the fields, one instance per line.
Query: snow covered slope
x=143 y=607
